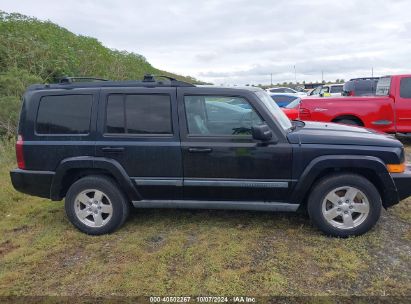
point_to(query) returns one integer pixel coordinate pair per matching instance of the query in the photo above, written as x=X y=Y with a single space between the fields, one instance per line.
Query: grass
x=182 y=252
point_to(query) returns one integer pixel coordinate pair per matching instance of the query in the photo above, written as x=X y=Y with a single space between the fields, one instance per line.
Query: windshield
x=293 y=104
x=274 y=109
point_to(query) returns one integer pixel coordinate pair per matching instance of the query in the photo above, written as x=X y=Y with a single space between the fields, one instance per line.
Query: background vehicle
x=292 y=110
x=327 y=90
x=287 y=91
x=282 y=99
x=105 y=146
x=388 y=111
x=360 y=87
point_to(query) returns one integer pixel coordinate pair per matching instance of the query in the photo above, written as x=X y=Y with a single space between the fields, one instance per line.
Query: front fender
x=321 y=164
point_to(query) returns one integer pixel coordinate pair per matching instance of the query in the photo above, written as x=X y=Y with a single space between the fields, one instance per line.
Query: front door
x=138 y=128
x=221 y=160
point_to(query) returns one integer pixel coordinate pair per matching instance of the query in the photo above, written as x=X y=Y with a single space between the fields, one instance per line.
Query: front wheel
x=344 y=205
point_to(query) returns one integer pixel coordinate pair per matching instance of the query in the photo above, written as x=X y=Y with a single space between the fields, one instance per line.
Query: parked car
x=388 y=111
x=282 y=100
x=360 y=86
x=286 y=91
x=292 y=110
x=105 y=146
x=327 y=90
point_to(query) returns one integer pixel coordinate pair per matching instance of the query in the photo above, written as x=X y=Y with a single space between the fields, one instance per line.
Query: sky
x=238 y=42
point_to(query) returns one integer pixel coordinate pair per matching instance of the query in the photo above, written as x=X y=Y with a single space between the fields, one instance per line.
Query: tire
x=95 y=205
x=350 y=122
x=330 y=205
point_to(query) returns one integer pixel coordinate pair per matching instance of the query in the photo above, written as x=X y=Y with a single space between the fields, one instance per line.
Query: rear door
x=138 y=127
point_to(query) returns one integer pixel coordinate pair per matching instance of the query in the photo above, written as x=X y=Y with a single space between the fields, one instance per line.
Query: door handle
x=200 y=150
x=113 y=149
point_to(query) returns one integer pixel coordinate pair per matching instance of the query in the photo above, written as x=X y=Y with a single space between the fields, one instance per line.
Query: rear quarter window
x=64 y=114
x=383 y=86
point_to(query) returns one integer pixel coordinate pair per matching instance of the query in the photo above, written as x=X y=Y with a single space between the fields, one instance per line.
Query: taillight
x=19 y=152
x=304 y=113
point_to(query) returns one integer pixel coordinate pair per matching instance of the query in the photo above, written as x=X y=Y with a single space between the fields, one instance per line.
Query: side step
x=226 y=205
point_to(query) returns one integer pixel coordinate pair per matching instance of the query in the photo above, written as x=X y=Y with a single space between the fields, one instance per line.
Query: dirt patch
x=6 y=247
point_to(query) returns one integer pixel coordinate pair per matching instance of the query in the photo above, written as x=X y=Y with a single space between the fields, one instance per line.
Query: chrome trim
x=236 y=183
x=178 y=182
x=244 y=183
x=225 y=205
x=382 y=122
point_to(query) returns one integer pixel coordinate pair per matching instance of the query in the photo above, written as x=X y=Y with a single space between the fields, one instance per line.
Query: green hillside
x=34 y=51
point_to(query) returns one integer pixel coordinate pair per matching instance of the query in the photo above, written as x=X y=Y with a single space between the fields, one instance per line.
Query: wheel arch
x=348 y=117
x=369 y=167
x=72 y=169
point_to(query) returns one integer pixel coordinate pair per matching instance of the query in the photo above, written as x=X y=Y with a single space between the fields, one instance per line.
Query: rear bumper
x=36 y=183
x=402 y=182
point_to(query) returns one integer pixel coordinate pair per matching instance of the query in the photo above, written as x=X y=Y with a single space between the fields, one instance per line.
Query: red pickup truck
x=388 y=111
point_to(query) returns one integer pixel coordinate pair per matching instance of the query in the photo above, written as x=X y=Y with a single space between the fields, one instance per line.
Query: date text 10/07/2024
x=202 y=299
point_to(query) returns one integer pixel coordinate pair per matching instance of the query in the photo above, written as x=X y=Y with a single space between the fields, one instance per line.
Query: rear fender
x=87 y=162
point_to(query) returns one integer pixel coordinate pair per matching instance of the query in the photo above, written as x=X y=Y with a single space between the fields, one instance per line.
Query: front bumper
x=36 y=183
x=402 y=182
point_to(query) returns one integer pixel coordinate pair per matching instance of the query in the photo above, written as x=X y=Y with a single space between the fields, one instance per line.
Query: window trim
x=136 y=135
x=214 y=136
x=64 y=134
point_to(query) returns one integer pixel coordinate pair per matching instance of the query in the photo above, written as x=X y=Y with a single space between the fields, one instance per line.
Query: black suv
x=105 y=145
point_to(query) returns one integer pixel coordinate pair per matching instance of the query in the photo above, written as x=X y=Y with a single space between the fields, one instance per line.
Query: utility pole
x=295 y=75
x=271 y=79
x=322 y=76
x=372 y=72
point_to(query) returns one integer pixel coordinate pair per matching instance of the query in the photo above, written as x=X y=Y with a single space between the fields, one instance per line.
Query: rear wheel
x=344 y=204
x=95 y=205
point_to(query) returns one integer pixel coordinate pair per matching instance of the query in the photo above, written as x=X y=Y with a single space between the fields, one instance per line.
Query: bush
x=34 y=51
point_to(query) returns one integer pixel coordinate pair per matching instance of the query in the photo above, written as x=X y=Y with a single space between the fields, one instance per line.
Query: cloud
x=239 y=42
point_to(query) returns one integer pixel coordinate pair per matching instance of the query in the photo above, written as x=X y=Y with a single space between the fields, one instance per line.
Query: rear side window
x=336 y=89
x=383 y=86
x=138 y=114
x=405 y=88
x=64 y=114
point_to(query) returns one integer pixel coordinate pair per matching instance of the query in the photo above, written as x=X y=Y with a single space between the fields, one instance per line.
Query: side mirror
x=261 y=132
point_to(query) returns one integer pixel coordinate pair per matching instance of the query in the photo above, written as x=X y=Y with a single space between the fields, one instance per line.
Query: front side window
x=316 y=91
x=405 y=87
x=138 y=114
x=325 y=90
x=219 y=116
x=64 y=114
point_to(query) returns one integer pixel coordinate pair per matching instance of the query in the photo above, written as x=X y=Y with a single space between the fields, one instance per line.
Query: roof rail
x=173 y=81
x=67 y=79
x=149 y=81
x=365 y=78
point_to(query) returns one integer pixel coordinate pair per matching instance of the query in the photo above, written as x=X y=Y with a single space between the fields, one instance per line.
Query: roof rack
x=149 y=81
x=67 y=79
